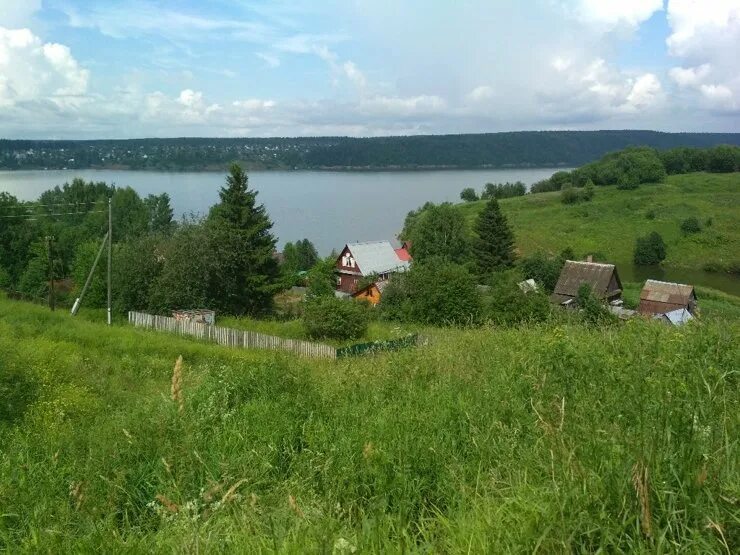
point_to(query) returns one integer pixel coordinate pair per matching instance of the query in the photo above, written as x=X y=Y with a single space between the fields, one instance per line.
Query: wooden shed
x=603 y=279
x=371 y=293
x=662 y=297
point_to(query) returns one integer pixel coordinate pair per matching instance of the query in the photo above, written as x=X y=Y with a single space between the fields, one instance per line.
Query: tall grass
x=549 y=439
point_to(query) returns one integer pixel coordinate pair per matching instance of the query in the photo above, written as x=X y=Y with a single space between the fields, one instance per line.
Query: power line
x=36 y=216
x=29 y=205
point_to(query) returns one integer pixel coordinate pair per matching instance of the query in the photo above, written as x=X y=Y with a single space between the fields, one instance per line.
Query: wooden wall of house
x=370 y=294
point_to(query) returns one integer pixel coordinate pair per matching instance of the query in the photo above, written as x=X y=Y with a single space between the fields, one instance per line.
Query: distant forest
x=489 y=150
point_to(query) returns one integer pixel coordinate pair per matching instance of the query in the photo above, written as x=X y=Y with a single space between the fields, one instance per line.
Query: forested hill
x=495 y=150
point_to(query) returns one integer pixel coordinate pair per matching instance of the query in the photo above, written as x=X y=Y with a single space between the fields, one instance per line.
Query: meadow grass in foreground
x=551 y=438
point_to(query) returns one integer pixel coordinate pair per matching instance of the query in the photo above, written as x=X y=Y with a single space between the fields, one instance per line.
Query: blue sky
x=94 y=69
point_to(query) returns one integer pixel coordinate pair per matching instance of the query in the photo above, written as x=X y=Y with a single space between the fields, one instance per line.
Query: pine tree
x=494 y=247
x=245 y=273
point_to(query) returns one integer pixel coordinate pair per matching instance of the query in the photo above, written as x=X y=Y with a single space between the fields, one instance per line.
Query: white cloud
x=690 y=76
x=611 y=13
x=403 y=106
x=646 y=92
x=481 y=93
x=31 y=71
x=706 y=36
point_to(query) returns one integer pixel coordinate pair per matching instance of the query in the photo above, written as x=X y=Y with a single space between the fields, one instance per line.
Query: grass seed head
x=176 y=390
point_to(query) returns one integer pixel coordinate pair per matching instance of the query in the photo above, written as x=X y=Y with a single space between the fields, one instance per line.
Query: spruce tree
x=494 y=246
x=245 y=273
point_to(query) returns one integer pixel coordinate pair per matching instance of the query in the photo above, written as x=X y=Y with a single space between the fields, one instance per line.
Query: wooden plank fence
x=231 y=337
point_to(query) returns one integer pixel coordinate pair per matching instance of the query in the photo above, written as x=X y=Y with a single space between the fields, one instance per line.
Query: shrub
x=505 y=304
x=503 y=190
x=394 y=301
x=723 y=159
x=333 y=318
x=468 y=194
x=594 y=312
x=691 y=225
x=4 y=278
x=628 y=180
x=588 y=191
x=569 y=195
x=17 y=393
x=543 y=269
x=650 y=214
x=435 y=292
x=649 y=250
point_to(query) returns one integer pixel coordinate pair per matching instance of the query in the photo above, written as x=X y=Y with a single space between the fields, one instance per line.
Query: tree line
x=495 y=150
x=633 y=166
x=225 y=261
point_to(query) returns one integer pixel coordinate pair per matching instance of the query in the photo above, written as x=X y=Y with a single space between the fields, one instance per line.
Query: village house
x=362 y=260
x=602 y=278
x=371 y=293
x=662 y=297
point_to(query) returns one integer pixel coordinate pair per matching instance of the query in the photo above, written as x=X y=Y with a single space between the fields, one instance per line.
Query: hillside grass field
x=611 y=222
x=547 y=438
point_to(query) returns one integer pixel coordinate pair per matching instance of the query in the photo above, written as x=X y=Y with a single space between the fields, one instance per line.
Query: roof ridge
x=592 y=263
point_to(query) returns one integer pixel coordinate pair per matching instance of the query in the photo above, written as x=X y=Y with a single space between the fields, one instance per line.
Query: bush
x=650 y=214
x=435 y=292
x=593 y=311
x=649 y=250
x=569 y=195
x=17 y=393
x=468 y=194
x=333 y=318
x=691 y=225
x=505 y=304
x=543 y=269
x=589 y=191
x=503 y=190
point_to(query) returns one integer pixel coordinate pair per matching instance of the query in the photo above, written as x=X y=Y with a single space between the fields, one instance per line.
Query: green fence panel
x=377 y=346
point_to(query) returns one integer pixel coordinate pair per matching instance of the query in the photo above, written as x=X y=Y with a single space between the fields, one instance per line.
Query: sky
x=247 y=68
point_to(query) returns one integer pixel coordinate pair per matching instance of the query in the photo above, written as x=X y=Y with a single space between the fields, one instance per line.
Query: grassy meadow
x=544 y=439
x=611 y=222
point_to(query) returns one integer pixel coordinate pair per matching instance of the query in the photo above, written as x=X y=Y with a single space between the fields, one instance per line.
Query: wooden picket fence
x=230 y=337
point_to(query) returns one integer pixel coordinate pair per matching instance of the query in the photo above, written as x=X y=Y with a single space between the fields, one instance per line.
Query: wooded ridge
x=494 y=150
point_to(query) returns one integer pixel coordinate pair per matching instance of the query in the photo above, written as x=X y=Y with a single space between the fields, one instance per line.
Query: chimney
x=590 y=258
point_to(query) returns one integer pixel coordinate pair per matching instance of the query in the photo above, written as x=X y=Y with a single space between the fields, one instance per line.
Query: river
x=329 y=208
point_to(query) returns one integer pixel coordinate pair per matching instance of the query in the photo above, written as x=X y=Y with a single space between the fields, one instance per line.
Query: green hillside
x=555 y=438
x=609 y=224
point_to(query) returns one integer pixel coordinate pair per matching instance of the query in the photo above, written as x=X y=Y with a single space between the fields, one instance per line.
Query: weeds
x=485 y=441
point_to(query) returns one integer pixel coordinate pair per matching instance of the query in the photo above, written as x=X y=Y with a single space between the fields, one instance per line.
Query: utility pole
x=78 y=302
x=52 y=299
x=110 y=250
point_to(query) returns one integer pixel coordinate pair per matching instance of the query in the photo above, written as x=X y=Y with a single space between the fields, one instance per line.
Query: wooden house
x=602 y=278
x=372 y=258
x=662 y=297
x=371 y=293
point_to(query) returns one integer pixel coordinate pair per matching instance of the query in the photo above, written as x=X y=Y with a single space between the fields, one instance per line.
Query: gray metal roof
x=377 y=257
x=676 y=317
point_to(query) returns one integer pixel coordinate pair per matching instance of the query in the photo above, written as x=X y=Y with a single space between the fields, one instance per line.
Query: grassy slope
x=484 y=441
x=610 y=223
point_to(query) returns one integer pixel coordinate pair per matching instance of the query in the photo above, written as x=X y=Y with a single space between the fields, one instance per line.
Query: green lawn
x=484 y=441
x=610 y=223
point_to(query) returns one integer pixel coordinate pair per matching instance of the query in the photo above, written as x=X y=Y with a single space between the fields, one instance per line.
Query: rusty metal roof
x=667 y=292
x=575 y=274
